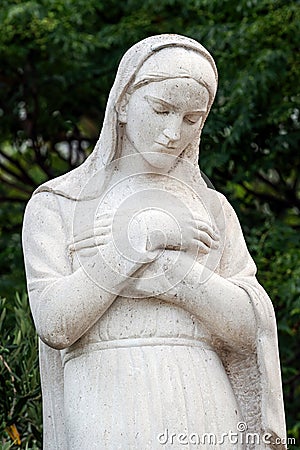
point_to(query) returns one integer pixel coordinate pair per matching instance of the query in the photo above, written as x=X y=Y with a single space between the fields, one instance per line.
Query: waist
x=144 y=318
x=91 y=347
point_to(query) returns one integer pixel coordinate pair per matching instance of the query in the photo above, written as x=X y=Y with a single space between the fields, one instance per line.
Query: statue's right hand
x=86 y=242
x=111 y=250
x=116 y=242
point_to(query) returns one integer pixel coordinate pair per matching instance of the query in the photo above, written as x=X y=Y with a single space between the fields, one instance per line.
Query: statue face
x=163 y=117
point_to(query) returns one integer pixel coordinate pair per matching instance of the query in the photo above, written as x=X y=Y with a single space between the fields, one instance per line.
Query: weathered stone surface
x=153 y=327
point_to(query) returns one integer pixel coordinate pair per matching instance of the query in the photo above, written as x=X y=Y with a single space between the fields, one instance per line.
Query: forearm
x=224 y=307
x=65 y=309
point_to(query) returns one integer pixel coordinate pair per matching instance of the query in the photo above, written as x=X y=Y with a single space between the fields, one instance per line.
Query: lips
x=167 y=146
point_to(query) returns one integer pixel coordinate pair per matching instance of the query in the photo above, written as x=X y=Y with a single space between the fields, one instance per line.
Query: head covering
x=178 y=62
x=147 y=55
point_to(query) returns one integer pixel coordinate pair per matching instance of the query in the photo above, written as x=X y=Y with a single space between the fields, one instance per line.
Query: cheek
x=142 y=122
x=189 y=133
x=153 y=125
x=134 y=126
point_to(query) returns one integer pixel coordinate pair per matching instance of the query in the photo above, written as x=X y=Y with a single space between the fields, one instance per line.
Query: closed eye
x=193 y=118
x=159 y=106
x=160 y=110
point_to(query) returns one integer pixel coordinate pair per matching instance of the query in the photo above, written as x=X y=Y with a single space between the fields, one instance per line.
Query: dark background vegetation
x=58 y=59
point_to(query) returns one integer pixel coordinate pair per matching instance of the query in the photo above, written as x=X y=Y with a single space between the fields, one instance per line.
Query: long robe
x=254 y=376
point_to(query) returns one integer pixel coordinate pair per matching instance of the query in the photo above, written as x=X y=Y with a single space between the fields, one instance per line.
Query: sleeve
x=44 y=243
x=64 y=305
x=238 y=267
x=236 y=260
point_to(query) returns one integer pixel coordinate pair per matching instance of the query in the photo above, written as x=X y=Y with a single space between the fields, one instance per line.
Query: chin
x=161 y=161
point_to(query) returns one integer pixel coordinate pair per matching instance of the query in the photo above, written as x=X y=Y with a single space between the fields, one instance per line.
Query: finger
x=201 y=225
x=205 y=239
x=200 y=246
x=86 y=253
x=85 y=243
x=107 y=215
x=92 y=232
x=95 y=241
x=103 y=221
x=103 y=239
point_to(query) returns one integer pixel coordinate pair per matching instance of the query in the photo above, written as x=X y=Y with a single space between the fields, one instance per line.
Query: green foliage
x=58 y=61
x=20 y=398
x=11 y=258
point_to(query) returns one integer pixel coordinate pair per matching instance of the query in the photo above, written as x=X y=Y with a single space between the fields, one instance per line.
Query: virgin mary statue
x=154 y=332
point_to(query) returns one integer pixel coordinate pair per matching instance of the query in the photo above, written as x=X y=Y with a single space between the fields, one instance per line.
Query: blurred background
x=58 y=59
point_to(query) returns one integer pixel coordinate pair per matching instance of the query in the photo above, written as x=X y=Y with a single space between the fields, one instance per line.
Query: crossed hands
x=151 y=239
x=148 y=231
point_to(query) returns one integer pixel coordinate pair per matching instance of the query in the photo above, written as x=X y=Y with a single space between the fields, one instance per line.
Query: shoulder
x=225 y=203
x=46 y=224
x=219 y=207
x=40 y=203
x=225 y=216
x=228 y=210
x=42 y=212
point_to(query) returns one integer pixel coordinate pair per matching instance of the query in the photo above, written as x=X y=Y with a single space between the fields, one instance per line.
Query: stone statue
x=154 y=332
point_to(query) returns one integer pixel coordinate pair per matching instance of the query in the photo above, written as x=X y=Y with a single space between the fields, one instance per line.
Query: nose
x=173 y=135
x=173 y=131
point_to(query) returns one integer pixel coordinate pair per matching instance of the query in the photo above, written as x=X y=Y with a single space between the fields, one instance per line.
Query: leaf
x=14 y=434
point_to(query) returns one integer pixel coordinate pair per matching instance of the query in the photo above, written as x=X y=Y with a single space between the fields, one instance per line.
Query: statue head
x=180 y=68
x=186 y=75
x=164 y=108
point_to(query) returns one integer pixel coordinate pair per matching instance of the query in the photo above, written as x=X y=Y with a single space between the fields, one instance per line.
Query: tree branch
x=267 y=181
x=283 y=202
x=16 y=186
x=24 y=175
x=40 y=160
